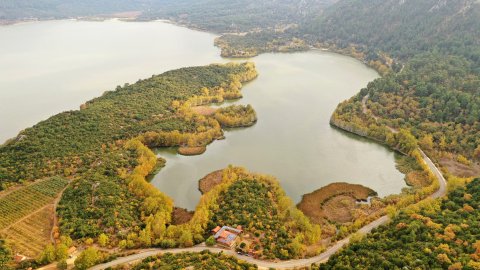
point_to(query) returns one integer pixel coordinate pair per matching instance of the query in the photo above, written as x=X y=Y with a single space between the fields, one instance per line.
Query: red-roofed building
x=216 y=229
x=226 y=236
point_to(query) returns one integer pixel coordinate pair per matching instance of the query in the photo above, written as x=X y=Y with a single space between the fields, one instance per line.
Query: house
x=226 y=236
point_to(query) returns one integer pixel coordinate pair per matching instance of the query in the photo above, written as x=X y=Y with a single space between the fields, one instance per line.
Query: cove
x=294 y=96
x=51 y=66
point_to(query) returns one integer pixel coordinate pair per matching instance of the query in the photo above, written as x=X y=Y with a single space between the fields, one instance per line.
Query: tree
x=66 y=240
x=476 y=153
x=186 y=239
x=122 y=244
x=145 y=237
x=427 y=142
x=88 y=241
x=87 y=258
x=5 y=255
x=62 y=265
x=103 y=240
x=61 y=252
x=210 y=241
x=48 y=255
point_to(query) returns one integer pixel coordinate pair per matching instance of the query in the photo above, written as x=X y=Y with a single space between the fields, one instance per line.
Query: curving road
x=442 y=190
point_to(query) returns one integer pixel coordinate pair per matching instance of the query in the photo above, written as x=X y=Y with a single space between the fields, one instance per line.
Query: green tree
x=61 y=252
x=48 y=255
x=186 y=239
x=62 y=265
x=476 y=153
x=5 y=255
x=87 y=258
x=65 y=239
x=210 y=241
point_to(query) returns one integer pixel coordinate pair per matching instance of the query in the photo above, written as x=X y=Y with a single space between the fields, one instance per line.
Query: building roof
x=226 y=235
x=227 y=229
x=216 y=229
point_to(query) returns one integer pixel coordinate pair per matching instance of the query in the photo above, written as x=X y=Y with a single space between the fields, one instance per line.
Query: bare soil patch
x=458 y=169
x=209 y=181
x=204 y=110
x=334 y=202
x=191 y=151
x=181 y=216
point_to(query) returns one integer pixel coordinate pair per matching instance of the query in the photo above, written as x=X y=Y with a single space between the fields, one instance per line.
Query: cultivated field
x=26 y=215
x=22 y=202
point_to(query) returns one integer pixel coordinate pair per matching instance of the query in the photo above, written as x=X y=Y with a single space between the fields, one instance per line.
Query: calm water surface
x=294 y=97
x=49 y=67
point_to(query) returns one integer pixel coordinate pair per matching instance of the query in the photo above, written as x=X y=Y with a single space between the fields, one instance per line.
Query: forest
x=264 y=212
x=236 y=15
x=226 y=16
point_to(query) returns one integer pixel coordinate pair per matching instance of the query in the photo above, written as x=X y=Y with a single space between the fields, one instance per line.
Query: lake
x=52 y=66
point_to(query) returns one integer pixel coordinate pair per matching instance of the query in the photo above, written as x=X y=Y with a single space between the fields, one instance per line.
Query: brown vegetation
x=417 y=179
x=236 y=116
x=204 y=110
x=334 y=202
x=191 y=151
x=209 y=181
x=458 y=169
x=181 y=216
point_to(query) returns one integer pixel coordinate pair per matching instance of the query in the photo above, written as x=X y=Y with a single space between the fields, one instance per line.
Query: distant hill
x=402 y=27
x=236 y=15
x=46 y=9
x=214 y=15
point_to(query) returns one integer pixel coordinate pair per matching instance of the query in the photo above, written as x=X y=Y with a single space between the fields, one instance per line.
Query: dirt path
x=55 y=218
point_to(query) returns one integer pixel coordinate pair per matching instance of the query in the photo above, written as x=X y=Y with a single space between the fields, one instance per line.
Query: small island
x=236 y=116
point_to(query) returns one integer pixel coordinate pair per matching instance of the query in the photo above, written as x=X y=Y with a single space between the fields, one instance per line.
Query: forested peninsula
x=101 y=150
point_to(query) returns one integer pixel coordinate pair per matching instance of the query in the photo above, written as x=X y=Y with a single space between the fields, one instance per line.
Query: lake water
x=294 y=96
x=52 y=66
x=48 y=67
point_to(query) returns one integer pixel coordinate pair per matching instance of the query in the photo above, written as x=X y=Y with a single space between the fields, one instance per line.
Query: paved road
x=442 y=189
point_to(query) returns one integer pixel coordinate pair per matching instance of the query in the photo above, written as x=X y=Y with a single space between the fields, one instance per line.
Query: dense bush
x=204 y=260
